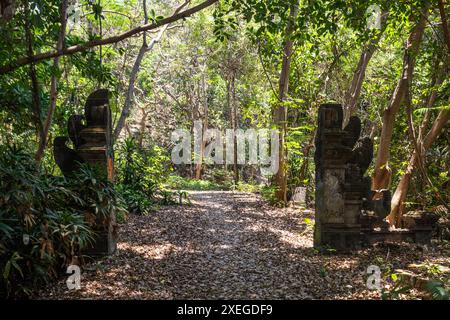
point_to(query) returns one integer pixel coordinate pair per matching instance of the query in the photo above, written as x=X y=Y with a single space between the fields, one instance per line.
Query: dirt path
x=226 y=246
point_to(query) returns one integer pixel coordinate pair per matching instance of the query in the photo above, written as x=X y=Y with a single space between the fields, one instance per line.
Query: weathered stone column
x=97 y=150
x=337 y=210
x=93 y=145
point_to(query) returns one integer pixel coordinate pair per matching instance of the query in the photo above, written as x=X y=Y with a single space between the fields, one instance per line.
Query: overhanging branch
x=100 y=42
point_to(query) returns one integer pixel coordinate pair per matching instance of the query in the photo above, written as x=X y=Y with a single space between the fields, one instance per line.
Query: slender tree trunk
x=234 y=121
x=129 y=99
x=352 y=95
x=230 y=108
x=382 y=173
x=198 y=171
x=54 y=83
x=36 y=102
x=441 y=5
x=198 y=167
x=194 y=112
x=280 y=114
x=402 y=189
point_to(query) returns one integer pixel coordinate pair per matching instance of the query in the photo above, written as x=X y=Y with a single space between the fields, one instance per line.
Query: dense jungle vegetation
x=248 y=64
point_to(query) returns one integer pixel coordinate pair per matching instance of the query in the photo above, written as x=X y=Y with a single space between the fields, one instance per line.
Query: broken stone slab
x=419 y=219
x=444 y=270
x=412 y=280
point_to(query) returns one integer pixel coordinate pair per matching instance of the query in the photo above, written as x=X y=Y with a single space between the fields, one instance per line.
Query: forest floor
x=230 y=245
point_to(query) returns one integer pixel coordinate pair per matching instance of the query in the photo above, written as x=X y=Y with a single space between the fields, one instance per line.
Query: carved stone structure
x=93 y=145
x=348 y=213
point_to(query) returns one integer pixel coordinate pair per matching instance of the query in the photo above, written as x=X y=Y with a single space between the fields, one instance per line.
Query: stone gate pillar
x=92 y=144
x=337 y=208
x=97 y=150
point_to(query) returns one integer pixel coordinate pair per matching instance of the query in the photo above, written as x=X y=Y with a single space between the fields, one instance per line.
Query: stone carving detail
x=348 y=213
x=333 y=196
x=92 y=144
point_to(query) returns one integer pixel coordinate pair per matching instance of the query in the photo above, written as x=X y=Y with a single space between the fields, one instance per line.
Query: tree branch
x=100 y=42
x=137 y=64
x=54 y=83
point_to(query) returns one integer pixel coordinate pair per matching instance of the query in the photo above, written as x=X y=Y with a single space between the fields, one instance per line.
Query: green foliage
x=181 y=183
x=44 y=220
x=140 y=174
x=269 y=194
x=439 y=290
x=246 y=187
x=136 y=201
x=398 y=288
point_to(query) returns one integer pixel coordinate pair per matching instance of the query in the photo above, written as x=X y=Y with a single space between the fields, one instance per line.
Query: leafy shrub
x=98 y=196
x=143 y=169
x=247 y=187
x=140 y=174
x=269 y=194
x=439 y=289
x=136 y=201
x=180 y=183
x=43 y=220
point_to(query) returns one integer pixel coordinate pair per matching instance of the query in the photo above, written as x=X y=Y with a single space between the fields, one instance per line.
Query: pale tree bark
x=128 y=104
x=230 y=68
x=194 y=111
x=280 y=113
x=352 y=95
x=198 y=167
x=8 y=67
x=54 y=83
x=382 y=174
x=418 y=151
x=402 y=189
x=234 y=123
x=205 y=123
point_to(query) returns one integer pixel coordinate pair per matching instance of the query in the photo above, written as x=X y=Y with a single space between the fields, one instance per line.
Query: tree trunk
x=352 y=95
x=382 y=173
x=441 y=6
x=234 y=122
x=54 y=84
x=402 y=188
x=35 y=99
x=198 y=170
x=128 y=105
x=280 y=114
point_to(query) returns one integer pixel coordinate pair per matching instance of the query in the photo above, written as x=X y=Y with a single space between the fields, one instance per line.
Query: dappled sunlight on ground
x=230 y=246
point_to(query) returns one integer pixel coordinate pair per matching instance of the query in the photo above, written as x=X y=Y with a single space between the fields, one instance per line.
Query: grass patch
x=180 y=183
